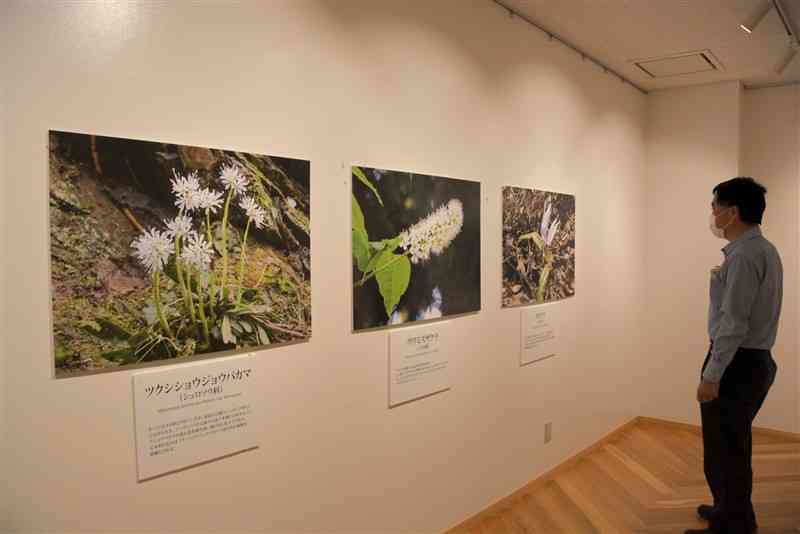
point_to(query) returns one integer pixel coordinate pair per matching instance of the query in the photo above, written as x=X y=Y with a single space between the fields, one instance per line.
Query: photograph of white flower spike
x=163 y=252
x=416 y=247
x=538 y=246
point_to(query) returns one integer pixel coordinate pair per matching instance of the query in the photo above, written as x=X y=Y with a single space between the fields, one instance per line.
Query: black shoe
x=705 y=511
x=710 y=531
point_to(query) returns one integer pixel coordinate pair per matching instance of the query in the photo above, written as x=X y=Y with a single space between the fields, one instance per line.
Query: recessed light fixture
x=757 y=16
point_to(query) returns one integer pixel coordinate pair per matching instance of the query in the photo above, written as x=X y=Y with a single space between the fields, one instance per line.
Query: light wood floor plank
x=647 y=479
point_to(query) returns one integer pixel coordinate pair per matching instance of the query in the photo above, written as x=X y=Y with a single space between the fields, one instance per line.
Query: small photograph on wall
x=164 y=252
x=538 y=246
x=416 y=247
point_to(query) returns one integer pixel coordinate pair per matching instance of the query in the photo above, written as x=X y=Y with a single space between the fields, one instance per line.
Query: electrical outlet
x=548 y=432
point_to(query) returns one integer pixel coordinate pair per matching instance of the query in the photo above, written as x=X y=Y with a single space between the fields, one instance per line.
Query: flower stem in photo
x=212 y=279
x=242 y=262
x=225 y=213
x=203 y=318
x=257 y=215
x=159 y=308
x=191 y=298
x=183 y=283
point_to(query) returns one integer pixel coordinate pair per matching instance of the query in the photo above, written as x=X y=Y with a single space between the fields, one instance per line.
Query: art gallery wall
x=692 y=143
x=770 y=151
x=3 y=255
x=698 y=137
x=444 y=88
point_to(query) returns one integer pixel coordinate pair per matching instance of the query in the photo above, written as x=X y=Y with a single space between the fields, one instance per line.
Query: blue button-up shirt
x=746 y=298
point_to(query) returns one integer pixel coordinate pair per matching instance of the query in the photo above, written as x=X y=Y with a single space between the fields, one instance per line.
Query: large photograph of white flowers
x=538 y=246
x=416 y=247
x=163 y=252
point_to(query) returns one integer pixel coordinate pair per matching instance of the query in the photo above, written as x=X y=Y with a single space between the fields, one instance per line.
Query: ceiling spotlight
x=787 y=58
x=755 y=19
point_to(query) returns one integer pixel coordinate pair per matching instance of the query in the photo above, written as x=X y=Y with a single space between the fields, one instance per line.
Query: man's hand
x=707 y=392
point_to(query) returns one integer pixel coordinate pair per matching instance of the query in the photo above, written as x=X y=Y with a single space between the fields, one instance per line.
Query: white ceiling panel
x=621 y=33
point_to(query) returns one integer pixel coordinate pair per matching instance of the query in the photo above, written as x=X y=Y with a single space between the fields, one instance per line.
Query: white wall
x=698 y=137
x=3 y=255
x=770 y=142
x=692 y=145
x=452 y=87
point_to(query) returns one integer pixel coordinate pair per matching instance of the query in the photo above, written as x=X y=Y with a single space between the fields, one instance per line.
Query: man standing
x=746 y=296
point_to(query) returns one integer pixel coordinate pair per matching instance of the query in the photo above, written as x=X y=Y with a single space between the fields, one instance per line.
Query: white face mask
x=716 y=230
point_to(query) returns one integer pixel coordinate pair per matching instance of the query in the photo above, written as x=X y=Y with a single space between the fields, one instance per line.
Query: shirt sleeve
x=741 y=287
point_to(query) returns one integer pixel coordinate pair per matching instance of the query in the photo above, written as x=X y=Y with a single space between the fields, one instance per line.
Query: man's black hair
x=746 y=194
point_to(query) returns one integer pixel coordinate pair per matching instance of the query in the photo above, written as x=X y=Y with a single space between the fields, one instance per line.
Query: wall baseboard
x=472 y=522
x=695 y=429
x=541 y=480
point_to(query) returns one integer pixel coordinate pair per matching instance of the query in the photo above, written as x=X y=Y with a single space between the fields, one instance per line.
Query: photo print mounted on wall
x=416 y=247
x=163 y=252
x=538 y=246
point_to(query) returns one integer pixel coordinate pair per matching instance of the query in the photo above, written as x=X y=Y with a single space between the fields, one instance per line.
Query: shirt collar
x=747 y=236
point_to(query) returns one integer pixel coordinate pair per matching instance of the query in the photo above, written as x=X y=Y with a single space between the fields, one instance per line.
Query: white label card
x=540 y=335
x=418 y=363
x=191 y=414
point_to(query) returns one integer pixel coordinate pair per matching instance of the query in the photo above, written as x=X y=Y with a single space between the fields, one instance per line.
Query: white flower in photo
x=233 y=179
x=210 y=200
x=254 y=212
x=292 y=203
x=180 y=226
x=433 y=234
x=434 y=311
x=551 y=233
x=548 y=210
x=546 y=229
x=187 y=190
x=197 y=253
x=153 y=249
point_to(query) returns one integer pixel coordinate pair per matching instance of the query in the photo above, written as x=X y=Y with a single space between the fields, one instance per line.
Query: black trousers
x=728 y=438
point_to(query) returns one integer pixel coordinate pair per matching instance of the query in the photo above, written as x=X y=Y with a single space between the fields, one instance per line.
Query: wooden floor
x=649 y=478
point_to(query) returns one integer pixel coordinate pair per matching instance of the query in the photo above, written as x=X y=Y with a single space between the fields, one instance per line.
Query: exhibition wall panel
x=697 y=138
x=770 y=143
x=692 y=145
x=442 y=88
x=3 y=260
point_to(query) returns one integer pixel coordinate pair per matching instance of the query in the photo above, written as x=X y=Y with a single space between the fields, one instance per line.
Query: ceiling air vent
x=679 y=64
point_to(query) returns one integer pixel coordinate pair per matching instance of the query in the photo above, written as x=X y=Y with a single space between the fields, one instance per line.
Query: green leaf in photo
x=543 y=277
x=393 y=273
x=61 y=355
x=358 y=173
x=358 y=216
x=377 y=246
x=535 y=237
x=125 y=355
x=263 y=338
x=227 y=331
x=361 y=250
x=105 y=329
x=391 y=244
x=379 y=257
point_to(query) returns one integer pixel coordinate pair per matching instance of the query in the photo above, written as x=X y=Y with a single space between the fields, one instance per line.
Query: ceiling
x=619 y=32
